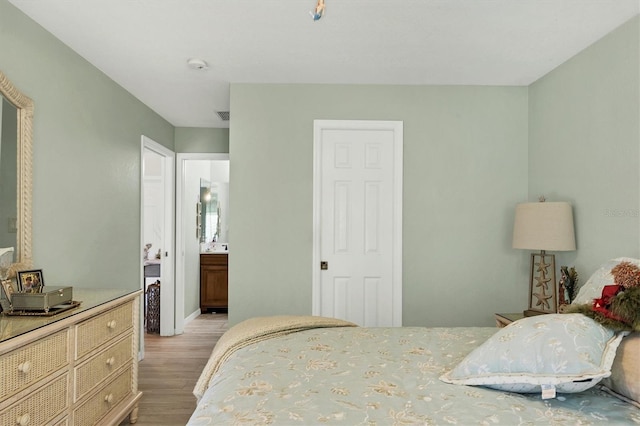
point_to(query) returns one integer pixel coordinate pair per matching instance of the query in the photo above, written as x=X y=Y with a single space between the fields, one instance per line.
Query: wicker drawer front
x=22 y=367
x=108 y=397
x=40 y=407
x=91 y=373
x=96 y=331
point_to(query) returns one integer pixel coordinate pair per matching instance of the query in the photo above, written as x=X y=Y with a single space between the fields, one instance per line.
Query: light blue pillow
x=568 y=352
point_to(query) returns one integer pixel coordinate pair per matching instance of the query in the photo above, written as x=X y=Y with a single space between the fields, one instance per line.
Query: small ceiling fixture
x=318 y=12
x=197 y=64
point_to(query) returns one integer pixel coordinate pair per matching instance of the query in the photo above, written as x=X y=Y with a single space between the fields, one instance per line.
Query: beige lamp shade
x=544 y=226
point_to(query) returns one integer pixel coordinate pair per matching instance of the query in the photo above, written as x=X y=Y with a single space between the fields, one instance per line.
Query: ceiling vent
x=224 y=115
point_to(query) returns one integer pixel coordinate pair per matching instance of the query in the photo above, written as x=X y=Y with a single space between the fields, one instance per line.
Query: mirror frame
x=25 y=107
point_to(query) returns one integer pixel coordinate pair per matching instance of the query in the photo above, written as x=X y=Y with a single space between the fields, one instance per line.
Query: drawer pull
x=23 y=420
x=24 y=367
x=108 y=398
x=111 y=324
x=111 y=361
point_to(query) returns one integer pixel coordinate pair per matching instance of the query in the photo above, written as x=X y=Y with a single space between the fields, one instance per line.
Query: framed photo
x=30 y=281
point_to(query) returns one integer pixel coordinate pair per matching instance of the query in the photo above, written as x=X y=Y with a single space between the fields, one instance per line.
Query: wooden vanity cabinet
x=214 y=281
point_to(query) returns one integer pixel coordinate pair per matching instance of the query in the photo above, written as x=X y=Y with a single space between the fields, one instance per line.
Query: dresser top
x=13 y=326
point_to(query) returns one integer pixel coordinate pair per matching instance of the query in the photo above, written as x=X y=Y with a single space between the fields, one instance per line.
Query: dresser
x=79 y=367
x=214 y=281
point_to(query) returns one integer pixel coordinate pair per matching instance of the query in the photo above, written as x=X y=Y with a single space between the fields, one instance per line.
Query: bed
x=558 y=369
x=353 y=375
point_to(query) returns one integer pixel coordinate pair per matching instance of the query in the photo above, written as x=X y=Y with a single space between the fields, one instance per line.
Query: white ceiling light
x=197 y=64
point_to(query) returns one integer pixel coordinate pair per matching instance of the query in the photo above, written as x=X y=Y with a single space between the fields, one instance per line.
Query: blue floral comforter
x=381 y=376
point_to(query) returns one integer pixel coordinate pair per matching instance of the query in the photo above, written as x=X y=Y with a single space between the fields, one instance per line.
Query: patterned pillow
x=592 y=289
x=566 y=352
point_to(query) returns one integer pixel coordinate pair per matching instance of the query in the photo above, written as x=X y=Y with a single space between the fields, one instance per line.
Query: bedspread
x=256 y=330
x=380 y=376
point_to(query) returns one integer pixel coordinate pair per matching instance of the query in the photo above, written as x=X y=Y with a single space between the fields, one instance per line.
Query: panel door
x=357 y=215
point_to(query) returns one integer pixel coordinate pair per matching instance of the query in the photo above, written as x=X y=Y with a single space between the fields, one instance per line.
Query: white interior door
x=358 y=221
x=157 y=201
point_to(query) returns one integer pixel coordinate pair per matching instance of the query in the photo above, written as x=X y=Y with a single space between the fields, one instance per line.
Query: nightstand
x=502 y=320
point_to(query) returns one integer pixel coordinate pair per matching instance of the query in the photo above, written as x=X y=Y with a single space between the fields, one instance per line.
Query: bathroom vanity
x=214 y=281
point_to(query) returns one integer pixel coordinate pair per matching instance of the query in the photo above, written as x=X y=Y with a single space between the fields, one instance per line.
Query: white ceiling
x=144 y=45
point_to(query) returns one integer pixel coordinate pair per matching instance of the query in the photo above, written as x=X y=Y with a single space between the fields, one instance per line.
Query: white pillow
x=592 y=289
x=570 y=352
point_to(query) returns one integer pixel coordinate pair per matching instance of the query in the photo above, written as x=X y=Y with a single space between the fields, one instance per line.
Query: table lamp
x=543 y=226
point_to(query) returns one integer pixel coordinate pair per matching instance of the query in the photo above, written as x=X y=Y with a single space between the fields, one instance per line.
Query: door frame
x=180 y=235
x=316 y=279
x=167 y=289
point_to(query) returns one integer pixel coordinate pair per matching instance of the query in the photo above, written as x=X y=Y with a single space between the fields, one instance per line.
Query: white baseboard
x=191 y=317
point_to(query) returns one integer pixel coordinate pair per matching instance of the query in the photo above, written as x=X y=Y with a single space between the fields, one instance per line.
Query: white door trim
x=167 y=289
x=180 y=237
x=397 y=127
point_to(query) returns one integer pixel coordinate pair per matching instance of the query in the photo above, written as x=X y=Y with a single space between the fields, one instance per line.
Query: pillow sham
x=592 y=288
x=563 y=353
x=624 y=381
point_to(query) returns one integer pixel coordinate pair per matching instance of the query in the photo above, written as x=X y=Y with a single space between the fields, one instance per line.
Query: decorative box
x=49 y=297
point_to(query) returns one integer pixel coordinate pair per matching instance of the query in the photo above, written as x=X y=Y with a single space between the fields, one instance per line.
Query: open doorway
x=193 y=169
x=157 y=231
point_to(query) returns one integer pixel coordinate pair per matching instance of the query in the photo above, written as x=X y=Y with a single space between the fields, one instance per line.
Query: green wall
x=86 y=194
x=470 y=154
x=201 y=140
x=465 y=168
x=584 y=134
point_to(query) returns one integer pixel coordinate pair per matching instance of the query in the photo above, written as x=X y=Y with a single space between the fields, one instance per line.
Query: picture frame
x=9 y=287
x=30 y=281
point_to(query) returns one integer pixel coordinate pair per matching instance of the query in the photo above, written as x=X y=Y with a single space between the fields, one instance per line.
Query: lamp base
x=542 y=283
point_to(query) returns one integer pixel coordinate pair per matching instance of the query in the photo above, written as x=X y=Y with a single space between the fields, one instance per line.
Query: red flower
x=603 y=305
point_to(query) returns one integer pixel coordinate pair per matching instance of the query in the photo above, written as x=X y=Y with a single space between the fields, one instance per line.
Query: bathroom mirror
x=206 y=210
x=214 y=197
x=16 y=121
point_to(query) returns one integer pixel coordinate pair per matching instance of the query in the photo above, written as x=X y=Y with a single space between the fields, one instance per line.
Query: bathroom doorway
x=192 y=168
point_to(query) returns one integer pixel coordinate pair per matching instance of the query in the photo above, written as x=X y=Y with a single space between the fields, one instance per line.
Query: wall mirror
x=214 y=197
x=16 y=130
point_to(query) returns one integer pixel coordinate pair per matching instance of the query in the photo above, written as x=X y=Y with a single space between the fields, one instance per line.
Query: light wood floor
x=170 y=369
